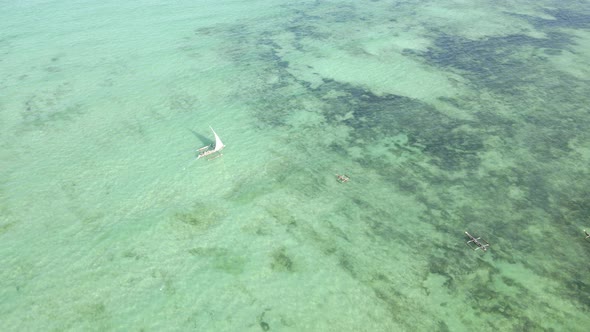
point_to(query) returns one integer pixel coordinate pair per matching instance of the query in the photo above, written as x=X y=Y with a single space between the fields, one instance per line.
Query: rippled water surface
x=448 y=116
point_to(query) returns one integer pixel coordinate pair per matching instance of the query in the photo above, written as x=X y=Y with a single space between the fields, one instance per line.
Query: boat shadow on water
x=204 y=139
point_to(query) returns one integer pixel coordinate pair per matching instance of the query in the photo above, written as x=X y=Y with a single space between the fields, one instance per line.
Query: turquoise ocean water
x=448 y=116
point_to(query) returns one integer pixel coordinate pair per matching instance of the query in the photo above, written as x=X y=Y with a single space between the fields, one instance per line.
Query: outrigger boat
x=477 y=243
x=587 y=235
x=204 y=151
x=342 y=178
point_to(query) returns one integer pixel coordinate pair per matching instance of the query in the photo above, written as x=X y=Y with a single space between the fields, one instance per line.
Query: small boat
x=205 y=151
x=587 y=235
x=476 y=243
x=342 y=178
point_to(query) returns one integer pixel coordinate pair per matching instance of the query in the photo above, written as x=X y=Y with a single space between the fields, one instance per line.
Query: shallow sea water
x=448 y=116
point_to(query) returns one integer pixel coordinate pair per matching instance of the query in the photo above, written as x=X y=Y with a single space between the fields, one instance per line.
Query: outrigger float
x=476 y=242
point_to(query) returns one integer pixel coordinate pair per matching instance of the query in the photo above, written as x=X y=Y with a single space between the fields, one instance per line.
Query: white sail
x=218 y=143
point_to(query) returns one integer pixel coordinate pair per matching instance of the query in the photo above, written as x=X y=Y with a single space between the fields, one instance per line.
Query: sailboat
x=205 y=151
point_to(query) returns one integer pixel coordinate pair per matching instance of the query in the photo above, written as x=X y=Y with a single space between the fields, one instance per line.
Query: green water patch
x=220 y=259
x=183 y=102
x=281 y=261
x=50 y=105
x=378 y=222
x=201 y=217
x=94 y=314
x=251 y=189
x=502 y=64
x=166 y=280
x=451 y=144
x=261 y=321
x=550 y=127
x=4 y=227
x=277 y=175
x=132 y=255
x=305 y=25
x=573 y=18
x=282 y=216
x=7 y=219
